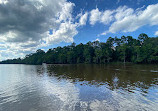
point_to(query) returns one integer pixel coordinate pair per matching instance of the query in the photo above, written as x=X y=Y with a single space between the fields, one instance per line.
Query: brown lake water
x=78 y=87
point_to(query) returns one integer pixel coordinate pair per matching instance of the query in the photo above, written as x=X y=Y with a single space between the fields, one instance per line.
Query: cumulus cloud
x=107 y=17
x=3 y=1
x=156 y=33
x=129 y=20
x=83 y=19
x=102 y=17
x=24 y=24
x=65 y=33
x=94 y=16
x=125 y=19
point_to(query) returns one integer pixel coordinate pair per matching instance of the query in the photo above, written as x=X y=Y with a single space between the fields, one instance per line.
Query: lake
x=81 y=87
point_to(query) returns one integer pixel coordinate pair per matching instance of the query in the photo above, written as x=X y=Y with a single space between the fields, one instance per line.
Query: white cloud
x=129 y=20
x=25 y=25
x=107 y=17
x=9 y=54
x=65 y=33
x=156 y=33
x=95 y=16
x=65 y=14
x=83 y=19
x=103 y=33
x=101 y=17
x=124 y=25
x=3 y=1
x=122 y=12
x=132 y=21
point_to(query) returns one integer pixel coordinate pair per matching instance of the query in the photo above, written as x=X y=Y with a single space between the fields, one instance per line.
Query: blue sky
x=90 y=33
x=27 y=25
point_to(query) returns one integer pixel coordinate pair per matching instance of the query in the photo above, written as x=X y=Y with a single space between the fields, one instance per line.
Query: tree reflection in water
x=115 y=76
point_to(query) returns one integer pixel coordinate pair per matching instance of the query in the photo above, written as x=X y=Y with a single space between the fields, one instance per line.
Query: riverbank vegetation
x=124 y=49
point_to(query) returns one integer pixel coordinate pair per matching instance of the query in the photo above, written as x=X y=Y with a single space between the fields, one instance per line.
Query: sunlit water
x=78 y=87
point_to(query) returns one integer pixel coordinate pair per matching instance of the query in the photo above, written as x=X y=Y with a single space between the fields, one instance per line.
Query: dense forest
x=124 y=49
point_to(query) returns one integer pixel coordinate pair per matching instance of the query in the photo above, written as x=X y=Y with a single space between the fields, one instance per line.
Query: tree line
x=124 y=49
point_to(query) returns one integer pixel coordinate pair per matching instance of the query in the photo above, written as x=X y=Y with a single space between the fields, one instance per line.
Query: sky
x=28 y=25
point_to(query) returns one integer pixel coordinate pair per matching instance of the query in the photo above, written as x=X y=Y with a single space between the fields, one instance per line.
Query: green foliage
x=124 y=49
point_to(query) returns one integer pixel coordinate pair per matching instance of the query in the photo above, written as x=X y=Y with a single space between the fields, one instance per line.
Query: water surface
x=78 y=87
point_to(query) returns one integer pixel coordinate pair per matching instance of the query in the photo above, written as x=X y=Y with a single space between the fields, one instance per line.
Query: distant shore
x=126 y=49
